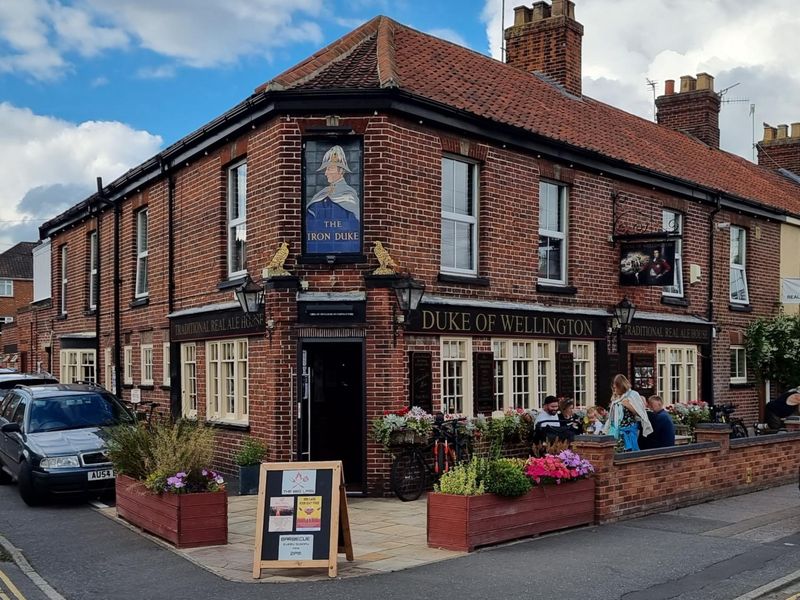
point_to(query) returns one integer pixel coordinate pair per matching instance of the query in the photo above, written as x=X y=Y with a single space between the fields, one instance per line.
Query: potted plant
x=404 y=426
x=490 y=501
x=249 y=458
x=164 y=484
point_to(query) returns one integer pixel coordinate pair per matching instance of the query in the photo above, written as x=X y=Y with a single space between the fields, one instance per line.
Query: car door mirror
x=11 y=428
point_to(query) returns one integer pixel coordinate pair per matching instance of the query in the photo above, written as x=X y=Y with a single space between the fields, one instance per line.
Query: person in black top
x=567 y=417
x=663 y=434
x=784 y=406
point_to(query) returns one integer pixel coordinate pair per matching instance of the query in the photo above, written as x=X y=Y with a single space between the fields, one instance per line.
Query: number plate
x=103 y=474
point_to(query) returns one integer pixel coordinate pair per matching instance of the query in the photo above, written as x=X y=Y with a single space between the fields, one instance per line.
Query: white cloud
x=629 y=41
x=450 y=35
x=162 y=72
x=40 y=35
x=40 y=153
x=99 y=81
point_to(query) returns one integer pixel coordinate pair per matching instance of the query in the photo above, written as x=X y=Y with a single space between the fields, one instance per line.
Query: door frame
x=302 y=344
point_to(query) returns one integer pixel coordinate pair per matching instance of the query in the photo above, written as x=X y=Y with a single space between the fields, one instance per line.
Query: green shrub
x=252 y=452
x=154 y=454
x=506 y=477
x=464 y=479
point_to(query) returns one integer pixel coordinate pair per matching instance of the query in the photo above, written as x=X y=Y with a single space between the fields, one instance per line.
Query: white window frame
x=189 y=380
x=453 y=217
x=503 y=349
x=92 y=275
x=77 y=365
x=166 y=380
x=739 y=266
x=555 y=234
x=587 y=365
x=6 y=287
x=227 y=380
x=465 y=376
x=127 y=365
x=142 y=253
x=107 y=370
x=64 y=281
x=233 y=196
x=146 y=359
x=686 y=366
x=738 y=364
x=672 y=222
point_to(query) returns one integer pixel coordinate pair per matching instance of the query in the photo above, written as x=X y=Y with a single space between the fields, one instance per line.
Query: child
x=594 y=424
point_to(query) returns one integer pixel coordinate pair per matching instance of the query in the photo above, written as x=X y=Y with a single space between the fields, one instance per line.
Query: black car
x=12 y=379
x=51 y=439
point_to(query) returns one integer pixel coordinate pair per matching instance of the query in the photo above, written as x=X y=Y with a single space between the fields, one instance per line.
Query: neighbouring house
x=16 y=285
x=536 y=217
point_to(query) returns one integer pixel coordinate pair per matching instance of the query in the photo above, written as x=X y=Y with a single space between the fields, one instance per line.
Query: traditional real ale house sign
x=301 y=517
x=667 y=331
x=185 y=326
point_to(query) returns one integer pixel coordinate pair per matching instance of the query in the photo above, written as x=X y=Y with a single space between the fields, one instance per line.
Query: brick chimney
x=780 y=148
x=693 y=110
x=547 y=39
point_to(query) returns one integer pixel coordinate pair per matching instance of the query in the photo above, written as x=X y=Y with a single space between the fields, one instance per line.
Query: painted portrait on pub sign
x=332 y=201
x=647 y=263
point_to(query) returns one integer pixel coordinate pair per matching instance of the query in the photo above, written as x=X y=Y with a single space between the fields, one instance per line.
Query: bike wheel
x=738 y=430
x=408 y=476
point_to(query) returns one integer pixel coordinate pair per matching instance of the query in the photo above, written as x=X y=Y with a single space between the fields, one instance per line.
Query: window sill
x=140 y=302
x=674 y=301
x=165 y=387
x=146 y=386
x=61 y=317
x=230 y=426
x=127 y=386
x=745 y=308
x=90 y=312
x=548 y=288
x=466 y=279
x=231 y=283
x=742 y=386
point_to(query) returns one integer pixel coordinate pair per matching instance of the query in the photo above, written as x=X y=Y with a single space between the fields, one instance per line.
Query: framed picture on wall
x=644 y=374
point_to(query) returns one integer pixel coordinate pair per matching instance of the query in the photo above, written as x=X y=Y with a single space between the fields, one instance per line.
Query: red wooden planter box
x=186 y=520
x=466 y=522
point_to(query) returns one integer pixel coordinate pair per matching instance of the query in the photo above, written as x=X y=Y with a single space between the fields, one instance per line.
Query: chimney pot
x=565 y=8
x=769 y=133
x=669 y=87
x=705 y=82
x=795 y=130
x=540 y=11
x=688 y=83
x=783 y=131
x=522 y=15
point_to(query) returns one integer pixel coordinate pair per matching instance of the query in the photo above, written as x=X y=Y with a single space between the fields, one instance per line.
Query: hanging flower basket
x=404 y=437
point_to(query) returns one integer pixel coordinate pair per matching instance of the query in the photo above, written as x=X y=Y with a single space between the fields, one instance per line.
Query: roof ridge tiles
x=316 y=63
x=387 y=68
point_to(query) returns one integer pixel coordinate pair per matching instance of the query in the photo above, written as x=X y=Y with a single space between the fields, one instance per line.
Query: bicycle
x=722 y=414
x=416 y=464
x=142 y=411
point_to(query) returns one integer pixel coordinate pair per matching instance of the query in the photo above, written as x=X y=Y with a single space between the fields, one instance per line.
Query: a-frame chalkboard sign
x=301 y=521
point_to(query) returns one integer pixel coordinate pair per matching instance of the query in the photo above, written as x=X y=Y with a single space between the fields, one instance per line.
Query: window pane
x=550 y=258
x=463 y=245
x=550 y=207
x=462 y=203
x=447 y=185
x=141 y=275
x=738 y=289
x=142 y=231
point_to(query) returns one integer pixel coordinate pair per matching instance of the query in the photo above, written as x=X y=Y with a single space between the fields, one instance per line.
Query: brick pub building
x=501 y=187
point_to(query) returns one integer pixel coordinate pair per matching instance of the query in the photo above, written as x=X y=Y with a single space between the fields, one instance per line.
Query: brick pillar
x=792 y=424
x=599 y=450
x=719 y=433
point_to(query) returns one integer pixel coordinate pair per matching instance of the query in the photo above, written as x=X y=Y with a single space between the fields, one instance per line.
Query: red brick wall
x=640 y=483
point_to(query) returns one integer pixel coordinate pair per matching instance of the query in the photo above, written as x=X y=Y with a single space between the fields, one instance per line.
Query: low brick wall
x=651 y=481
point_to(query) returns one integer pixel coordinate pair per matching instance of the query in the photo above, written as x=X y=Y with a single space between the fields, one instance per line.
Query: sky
x=92 y=88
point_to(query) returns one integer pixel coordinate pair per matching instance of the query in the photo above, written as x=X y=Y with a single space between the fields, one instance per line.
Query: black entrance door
x=332 y=406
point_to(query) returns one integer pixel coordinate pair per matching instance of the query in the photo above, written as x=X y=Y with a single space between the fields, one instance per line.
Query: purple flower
x=181 y=475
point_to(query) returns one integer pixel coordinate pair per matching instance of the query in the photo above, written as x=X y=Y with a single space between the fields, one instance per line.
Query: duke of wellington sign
x=457 y=319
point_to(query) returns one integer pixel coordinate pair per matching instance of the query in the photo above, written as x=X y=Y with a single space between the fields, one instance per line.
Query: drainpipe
x=708 y=354
x=174 y=354
x=117 y=315
x=96 y=284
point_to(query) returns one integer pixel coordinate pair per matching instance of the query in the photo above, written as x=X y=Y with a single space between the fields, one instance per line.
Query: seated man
x=784 y=406
x=547 y=418
x=663 y=434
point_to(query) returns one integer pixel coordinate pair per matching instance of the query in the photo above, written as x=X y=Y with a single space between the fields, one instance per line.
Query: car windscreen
x=75 y=411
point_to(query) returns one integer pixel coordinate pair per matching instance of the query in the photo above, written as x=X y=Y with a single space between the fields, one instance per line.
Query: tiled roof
x=17 y=261
x=384 y=53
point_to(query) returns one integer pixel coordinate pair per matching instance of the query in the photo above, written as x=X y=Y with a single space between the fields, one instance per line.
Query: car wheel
x=26 y=489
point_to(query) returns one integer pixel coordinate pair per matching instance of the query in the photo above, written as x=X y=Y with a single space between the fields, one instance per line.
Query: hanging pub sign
x=332 y=191
x=647 y=263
